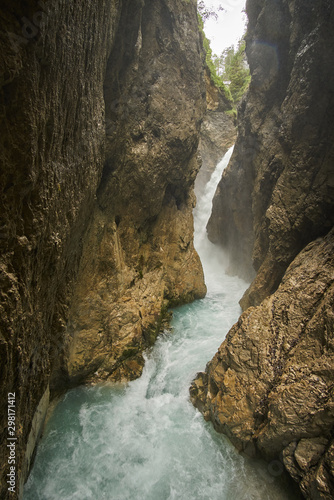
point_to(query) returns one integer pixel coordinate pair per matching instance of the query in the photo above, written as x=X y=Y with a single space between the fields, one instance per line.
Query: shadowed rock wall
x=141 y=235
x=270 y=385
x=97 y=167
x=277 y=193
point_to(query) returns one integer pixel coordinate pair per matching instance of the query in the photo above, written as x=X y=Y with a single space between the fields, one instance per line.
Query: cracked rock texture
x=270 y=387
x=100 y=109
x=277 y=193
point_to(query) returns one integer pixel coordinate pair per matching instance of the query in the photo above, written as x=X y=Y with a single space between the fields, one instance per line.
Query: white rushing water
x=145 y=441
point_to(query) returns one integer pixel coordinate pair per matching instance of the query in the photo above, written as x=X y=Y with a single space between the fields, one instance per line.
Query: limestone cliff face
x=277 y=193
x=270 y=385
x=218 y=132
x=101 y=104
x=52 y=153
x=141 y=237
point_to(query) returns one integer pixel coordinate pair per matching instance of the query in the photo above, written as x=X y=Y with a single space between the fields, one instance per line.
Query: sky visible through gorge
x=230 y=25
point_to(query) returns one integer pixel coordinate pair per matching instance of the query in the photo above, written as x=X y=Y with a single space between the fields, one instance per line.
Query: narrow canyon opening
x=144 y=439
x=114 y=116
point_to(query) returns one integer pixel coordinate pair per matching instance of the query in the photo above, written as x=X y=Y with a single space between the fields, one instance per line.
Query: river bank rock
x=269 y=388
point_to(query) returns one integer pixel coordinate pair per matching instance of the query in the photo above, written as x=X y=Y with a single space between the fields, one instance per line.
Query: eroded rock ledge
x=270 y=386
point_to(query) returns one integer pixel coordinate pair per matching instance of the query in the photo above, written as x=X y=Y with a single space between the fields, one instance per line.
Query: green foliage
x=230 y=66
x=235 y=69
x=232 y=113
x=217 y=80
x=207 y=12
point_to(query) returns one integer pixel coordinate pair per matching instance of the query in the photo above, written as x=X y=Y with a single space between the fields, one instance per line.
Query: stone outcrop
x=141 y=235
x=277 y=194
x=270 y=385
x=218 y=132
x=101 y=105
x=269 y=388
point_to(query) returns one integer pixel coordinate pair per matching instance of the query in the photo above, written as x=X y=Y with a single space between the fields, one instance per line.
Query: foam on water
x=145 y=441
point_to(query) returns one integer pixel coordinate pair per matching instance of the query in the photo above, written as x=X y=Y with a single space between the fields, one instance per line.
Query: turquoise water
x=144 y=440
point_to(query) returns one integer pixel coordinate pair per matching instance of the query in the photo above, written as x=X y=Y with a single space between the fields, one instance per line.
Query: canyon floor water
x=144 y=440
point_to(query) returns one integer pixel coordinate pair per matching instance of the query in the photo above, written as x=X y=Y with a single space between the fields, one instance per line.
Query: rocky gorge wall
x=101 y=105
x=270 y=385
x=277 y=193
x=218 y=132
x=141 y=234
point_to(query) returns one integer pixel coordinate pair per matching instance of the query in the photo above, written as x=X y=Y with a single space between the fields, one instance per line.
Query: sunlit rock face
x=269 y=388
x=277 y=193
x=101 y=105
x=139 y=256
x=270 y=385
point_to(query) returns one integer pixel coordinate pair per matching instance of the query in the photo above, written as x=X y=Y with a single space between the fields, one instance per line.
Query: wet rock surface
x=269 y=388
x=101 y=105
x=277 y=193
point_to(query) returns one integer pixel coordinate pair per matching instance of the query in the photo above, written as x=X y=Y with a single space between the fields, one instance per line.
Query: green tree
x=236 y=70
x=218 y=62
x=210 y=64
x=230 y=66
x=226 y=58
x=207 y=11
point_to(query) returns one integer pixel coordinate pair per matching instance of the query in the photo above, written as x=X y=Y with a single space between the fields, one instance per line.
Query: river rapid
x=144 y=440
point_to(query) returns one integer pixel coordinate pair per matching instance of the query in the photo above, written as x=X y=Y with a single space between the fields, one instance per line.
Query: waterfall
x=213 y=260
x=144 y=440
